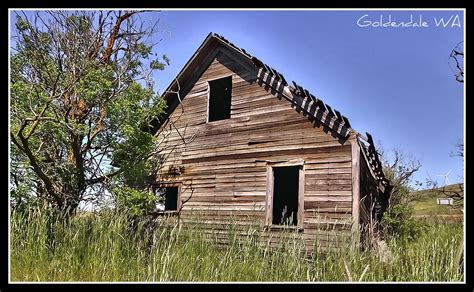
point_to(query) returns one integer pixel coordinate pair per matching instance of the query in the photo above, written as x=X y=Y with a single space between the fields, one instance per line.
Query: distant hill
x=425 y=204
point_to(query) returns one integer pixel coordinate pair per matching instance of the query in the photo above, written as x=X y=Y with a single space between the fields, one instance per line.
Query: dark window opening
x=219 y=98
x=168 y=199
x=285 y=195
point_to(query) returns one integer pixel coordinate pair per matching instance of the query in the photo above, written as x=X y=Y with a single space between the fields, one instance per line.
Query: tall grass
x=106 y=247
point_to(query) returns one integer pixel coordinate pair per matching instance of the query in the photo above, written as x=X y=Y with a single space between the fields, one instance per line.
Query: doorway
x=285 y=195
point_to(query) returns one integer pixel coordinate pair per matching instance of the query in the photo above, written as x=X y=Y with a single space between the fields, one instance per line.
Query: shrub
x=135 y=202
x=398 y=222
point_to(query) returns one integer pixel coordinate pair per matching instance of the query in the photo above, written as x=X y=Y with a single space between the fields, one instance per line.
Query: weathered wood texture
x=225 y=162
x=368 y=191
x=356 y=156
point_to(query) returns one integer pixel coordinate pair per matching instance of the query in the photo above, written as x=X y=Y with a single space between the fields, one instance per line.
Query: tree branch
x=37 y=169
x=37 y=120
x=115 y=34
x=100 y=179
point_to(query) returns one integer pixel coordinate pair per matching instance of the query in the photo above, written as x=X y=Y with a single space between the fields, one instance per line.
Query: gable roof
x=302 y=99
x=313 y=106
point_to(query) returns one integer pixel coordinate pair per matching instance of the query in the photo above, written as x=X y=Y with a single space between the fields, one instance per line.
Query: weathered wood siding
x=225 y=162
x=368 y=191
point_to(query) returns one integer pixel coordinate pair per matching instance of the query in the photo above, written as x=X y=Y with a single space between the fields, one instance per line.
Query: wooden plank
x=355 y=192
x=244 y=153
x=301 y=192
x=269 y=201
x=328 y=198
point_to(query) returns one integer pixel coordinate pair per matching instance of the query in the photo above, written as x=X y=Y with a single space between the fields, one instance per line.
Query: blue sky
x=393 y=82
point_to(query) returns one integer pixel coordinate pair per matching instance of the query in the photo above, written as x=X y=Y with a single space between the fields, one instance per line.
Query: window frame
x=178 y=196
x=269 y=196
x=209 y=97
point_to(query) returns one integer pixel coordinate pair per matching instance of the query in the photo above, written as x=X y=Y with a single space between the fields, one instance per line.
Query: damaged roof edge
x=321 y=111
x=372 y=159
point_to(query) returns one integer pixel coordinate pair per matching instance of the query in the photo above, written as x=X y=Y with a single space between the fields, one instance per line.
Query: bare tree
x=399 y=171
x=456 y=61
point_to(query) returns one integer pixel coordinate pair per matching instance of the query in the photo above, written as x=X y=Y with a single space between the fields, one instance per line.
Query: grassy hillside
x=425 y=203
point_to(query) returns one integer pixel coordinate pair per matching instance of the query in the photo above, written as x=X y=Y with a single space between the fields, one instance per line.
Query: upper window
x=220 y=92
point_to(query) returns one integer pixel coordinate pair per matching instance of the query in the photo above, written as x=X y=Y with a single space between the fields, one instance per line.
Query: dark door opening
x=285 y=195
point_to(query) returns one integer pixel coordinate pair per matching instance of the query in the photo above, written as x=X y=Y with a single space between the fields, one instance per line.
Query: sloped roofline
x=314 y=106
x=331 y=118
x=173 y=84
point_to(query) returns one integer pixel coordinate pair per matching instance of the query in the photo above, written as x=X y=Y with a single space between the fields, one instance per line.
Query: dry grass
x=103 y=247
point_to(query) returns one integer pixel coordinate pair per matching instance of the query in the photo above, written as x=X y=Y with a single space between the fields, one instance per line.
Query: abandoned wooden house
x=240 y=142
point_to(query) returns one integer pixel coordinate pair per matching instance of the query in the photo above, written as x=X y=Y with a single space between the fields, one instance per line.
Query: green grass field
x=426 y=206
x=103 y=247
